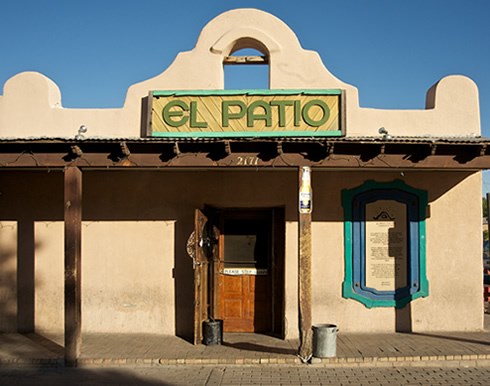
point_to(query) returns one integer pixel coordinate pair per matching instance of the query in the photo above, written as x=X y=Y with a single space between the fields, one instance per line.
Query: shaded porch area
x=254 y=349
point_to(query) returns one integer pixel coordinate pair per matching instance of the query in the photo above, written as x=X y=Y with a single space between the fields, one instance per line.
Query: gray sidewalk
x=396 y=349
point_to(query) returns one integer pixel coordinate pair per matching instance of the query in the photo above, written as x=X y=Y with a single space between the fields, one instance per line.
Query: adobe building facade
x=192 y=201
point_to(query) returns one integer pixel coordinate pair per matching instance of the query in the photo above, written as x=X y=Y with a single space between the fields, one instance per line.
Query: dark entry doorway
x=245 y=276
x=242 y=279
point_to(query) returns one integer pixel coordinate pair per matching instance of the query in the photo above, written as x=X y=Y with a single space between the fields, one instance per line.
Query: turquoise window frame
x=354 y=203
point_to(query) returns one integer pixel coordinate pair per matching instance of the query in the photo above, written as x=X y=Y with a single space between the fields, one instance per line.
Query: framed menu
x=386 y=245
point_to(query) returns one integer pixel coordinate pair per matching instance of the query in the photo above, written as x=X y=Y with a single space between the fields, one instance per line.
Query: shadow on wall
x=174 y=196
x=403 y=319
x=29 y=196
x=8 y=301
x=26 y=197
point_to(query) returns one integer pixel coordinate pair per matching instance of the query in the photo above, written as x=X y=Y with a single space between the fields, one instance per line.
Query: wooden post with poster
x=73 y=264
x=304 y=266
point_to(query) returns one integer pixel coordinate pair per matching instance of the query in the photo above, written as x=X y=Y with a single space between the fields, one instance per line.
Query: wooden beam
x=234 y=60
x=341 y=155
x=73 y=236
x=304 y=272
x=336 y=161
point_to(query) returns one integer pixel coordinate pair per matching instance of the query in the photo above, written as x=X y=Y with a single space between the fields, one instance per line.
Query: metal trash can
x=212 y=331
x=325 y=340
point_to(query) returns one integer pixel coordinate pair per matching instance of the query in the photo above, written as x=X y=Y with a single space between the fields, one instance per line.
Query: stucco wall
x=169 y=198
x=454 y=235
x=49 y=277
x=137 y=277
x=453 y=256
x=127 y=281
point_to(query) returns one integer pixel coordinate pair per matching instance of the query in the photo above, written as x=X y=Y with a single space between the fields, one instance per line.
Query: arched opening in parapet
x=247 y=66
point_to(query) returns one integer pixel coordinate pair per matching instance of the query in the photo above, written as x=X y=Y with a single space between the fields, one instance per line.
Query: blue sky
x=392 y=50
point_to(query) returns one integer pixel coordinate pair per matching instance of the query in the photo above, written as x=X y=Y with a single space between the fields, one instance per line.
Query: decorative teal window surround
x=354 y=202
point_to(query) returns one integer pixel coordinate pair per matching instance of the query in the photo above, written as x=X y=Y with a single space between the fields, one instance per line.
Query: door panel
x=245 y=280
x=203 y=248
x=246 y=303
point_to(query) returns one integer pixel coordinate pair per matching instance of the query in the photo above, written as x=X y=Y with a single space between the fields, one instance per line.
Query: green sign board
x=269 y=113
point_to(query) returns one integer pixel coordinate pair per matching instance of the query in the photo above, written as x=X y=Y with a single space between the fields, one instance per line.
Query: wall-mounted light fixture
x=81 y=130
x=384 y=132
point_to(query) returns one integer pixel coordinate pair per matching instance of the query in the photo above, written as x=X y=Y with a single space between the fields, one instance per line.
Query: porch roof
x=381 y=152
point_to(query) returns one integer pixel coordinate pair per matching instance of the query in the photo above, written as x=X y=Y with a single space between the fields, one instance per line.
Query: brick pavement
x=241 y=349
x=244 y=375
x=359 y=350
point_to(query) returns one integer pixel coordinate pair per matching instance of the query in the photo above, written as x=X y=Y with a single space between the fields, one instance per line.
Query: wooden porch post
x=73 y=237
x=304 y=269
x=488 y=214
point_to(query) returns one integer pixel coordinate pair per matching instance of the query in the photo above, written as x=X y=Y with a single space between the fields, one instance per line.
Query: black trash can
x=212 y=332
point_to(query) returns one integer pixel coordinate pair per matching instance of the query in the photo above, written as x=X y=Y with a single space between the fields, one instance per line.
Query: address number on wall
x=247 y=161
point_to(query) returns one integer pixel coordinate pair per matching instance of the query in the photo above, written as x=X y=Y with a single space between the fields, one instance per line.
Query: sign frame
x=150 y=132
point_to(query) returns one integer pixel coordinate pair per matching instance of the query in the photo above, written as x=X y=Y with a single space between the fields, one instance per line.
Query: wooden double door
x=239 y=270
